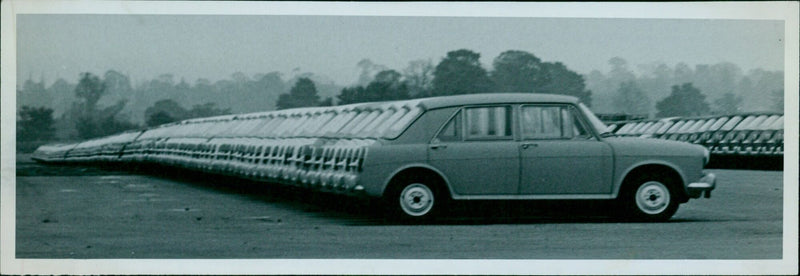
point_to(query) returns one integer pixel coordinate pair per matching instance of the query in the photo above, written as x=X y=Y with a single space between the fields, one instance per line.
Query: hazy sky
x=215 y=46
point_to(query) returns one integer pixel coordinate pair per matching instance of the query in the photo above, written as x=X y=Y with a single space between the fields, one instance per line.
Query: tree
x=110 y=125
x=34 y=94
x=368 y=71
x=563 y=81
x=729 y=103
x=63 y=95
x=777 y=100
x=386 y=86
x=717 y=79
x=266 y=90
x=325 y=86
x=104 y=122
x=164 y=111
x=118 y=86
x=35 y=124
x=90 y=88
x=87 y=128
x=619 y=70
x=207 y=110
x=603 y=93
x=302 y=94
x=460 y=72
x=326 y=102
x=160 y=118
x=604 y=85
x=352 y=95
x=167 y=111
x=518 y=71
x=89 y=91
x=630 y=99
x=418 y=77
x=765 y=84
x=713 y=79
x=685 y=100
x=90 y=121
x=683 y=73
x=655 y=78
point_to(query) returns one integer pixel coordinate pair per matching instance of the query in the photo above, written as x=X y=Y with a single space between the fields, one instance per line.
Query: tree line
x=653 y=89
x=459 y=72
x=98 y=106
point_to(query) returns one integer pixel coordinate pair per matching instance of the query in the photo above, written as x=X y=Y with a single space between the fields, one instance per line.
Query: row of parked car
x=742 y=134
x=314 y=147
x=417 y=155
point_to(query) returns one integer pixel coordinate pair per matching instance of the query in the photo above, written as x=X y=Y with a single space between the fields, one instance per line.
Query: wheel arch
x=663 y=168
x=417 y=170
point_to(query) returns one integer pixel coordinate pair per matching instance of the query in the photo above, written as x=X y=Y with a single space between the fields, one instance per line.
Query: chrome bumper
x=702 y=186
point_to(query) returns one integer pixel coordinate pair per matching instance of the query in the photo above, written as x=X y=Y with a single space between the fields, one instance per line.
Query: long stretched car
x=419 y=155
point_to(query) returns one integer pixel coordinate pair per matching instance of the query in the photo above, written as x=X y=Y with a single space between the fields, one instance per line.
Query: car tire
x=649 y=198
x=414 y=201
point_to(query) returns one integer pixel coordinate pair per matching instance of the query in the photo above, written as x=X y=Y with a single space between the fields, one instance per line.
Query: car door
x=477 y=153
x=559 y=155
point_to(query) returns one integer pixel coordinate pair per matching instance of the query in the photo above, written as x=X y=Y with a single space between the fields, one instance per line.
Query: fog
x=162 y=68
x=215 y=46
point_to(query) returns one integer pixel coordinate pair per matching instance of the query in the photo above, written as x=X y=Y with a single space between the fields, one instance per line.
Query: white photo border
x=784 y=11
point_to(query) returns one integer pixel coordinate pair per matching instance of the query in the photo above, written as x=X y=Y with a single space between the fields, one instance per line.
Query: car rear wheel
x=649 y=199
x=414 y=201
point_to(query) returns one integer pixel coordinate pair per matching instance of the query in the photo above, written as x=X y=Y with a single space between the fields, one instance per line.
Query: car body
x=417 y=155
x=715 y=141
x=731 y=144
x=521 y=166
x=753 y=144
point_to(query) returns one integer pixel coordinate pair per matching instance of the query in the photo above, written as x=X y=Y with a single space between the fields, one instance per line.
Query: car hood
x=634 y=146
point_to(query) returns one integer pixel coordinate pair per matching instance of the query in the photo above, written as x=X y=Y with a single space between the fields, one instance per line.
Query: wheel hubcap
x=416 y=199
x=652 y=197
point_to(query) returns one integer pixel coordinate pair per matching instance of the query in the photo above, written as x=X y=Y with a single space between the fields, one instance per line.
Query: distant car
x=418 y=155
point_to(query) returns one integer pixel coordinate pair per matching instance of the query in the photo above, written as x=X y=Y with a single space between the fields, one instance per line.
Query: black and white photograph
x=177 y=137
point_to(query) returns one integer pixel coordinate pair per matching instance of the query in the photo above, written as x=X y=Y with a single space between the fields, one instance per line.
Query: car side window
x=488 y=123
x=551 y=122
x=452 y=130
x=573 y=127
x=541 y=122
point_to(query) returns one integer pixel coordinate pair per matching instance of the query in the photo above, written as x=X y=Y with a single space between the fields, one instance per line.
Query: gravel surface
x=87 y=213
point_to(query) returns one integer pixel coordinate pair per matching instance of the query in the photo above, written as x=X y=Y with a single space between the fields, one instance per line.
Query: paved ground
x=79 y=212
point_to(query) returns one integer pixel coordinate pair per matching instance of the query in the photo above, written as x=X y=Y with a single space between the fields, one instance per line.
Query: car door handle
x=529 y=145
x=438 y=146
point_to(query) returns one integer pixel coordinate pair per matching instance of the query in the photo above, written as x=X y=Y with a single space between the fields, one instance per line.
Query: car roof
x=675 y=127
x=655 y=126
x=667 y=125
x=768 y=122
x=777 y=124
x=494 y=98
x=697 y=124
x=686 y=125
x=719 y=123
x=425 y=103
x=746 y=122
x=731 y=123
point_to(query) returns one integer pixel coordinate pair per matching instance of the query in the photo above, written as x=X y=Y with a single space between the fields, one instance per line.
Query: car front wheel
x=649 y=199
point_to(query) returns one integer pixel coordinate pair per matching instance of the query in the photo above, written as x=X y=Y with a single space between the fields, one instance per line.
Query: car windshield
x=596 y=123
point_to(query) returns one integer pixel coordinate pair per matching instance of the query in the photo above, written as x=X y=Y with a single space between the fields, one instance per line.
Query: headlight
x=706 y=156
